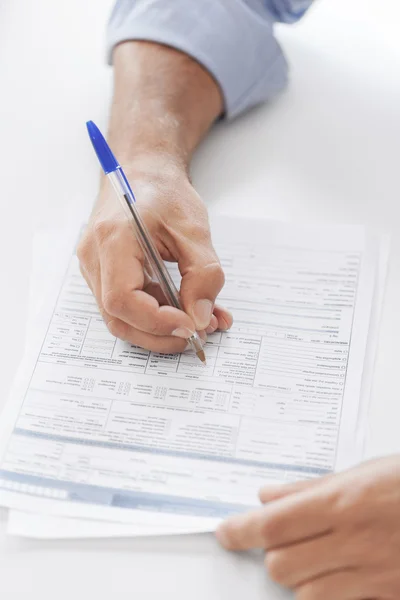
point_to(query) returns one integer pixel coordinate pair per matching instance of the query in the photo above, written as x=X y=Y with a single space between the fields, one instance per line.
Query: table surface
x=326 y=151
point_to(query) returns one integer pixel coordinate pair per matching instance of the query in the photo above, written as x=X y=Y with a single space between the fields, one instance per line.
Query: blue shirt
x=233 y=39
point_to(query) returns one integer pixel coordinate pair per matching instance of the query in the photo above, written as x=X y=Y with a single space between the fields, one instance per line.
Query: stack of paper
x=103 y=438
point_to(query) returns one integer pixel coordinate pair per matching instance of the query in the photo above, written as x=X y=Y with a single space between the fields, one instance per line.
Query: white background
x=327 y=150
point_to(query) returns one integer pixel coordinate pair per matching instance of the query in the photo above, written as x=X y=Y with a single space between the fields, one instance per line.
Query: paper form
x=103 y=423
x=52 y=527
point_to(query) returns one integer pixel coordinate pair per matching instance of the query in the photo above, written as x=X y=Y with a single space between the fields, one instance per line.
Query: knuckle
x=180 y=210
x=83 y=250
x=102 y=229
x=199 y=232
x=218 y=274
x=114 y=302
x=271 y=530
x=350 y=504
x=276 y=565
x=212 y=273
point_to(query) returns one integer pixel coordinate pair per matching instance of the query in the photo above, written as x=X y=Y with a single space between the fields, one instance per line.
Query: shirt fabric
x=233 y=39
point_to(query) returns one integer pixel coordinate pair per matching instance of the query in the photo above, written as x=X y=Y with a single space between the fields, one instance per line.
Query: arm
x=178 y=66
x=163 y=104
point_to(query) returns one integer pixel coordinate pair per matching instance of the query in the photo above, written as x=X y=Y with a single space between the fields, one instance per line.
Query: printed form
x=101 y=429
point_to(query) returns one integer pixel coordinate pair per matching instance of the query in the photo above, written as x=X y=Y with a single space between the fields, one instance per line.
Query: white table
x=328 y=150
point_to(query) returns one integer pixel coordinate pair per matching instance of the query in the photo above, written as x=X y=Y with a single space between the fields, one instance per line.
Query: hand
x=336 y=538
x=112 y=262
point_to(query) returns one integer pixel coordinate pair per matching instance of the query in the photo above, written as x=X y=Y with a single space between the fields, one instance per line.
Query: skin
x=335 y=538
x=163 y=104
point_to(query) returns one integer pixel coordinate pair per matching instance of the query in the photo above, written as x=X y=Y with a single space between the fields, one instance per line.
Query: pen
x=113 y=170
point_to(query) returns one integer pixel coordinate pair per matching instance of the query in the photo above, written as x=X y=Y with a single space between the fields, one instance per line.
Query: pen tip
x=202 y=356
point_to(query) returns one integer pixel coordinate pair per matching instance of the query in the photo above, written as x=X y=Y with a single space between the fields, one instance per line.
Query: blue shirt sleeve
x=232 y=39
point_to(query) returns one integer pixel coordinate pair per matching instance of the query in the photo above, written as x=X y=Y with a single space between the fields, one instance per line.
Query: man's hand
x=336 y=538
x=112 y=262
x=164 y=102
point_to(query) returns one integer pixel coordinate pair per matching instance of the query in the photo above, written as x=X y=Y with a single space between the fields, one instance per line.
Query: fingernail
x=225 y=324
x=203 y=337
x=213 y=324
x=268 y=491
x=202 y=311
x=182 y=332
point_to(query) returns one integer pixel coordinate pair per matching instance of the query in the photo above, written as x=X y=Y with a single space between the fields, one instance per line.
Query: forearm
x=164 y=102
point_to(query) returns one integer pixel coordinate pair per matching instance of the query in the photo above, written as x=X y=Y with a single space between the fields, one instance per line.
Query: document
x=100 y=429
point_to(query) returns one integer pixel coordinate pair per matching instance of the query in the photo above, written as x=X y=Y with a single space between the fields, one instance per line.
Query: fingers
x=213 y=324
x=142 y=312
x=244 y=532
x=93 y=280
x=293 y=565
x=123 y=331
x=122 y=296
x=154 y=343
x=276 y=492
x=132 y=305
x=346 y=585
x=292 y=519
x=202 y=279
x=221 y=319
x=224 y=318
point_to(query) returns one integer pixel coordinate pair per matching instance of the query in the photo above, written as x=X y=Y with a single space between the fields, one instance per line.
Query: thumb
x=202 y=280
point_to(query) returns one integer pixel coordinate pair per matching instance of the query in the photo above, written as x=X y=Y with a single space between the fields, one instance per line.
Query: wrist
x=151 y=161
x=150 y=170
x=153 y=165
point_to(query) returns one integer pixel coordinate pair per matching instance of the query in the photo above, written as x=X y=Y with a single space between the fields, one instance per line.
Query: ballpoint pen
x=113 y=171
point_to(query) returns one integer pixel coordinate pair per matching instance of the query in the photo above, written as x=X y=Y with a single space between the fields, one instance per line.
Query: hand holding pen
x=112 y=263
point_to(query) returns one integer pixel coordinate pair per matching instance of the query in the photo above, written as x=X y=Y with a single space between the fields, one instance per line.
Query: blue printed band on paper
x=61 y=490
x=90 y=494
x=308 y=470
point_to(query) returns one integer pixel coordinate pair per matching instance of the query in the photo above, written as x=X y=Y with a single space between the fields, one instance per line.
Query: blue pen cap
x=106 y=158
